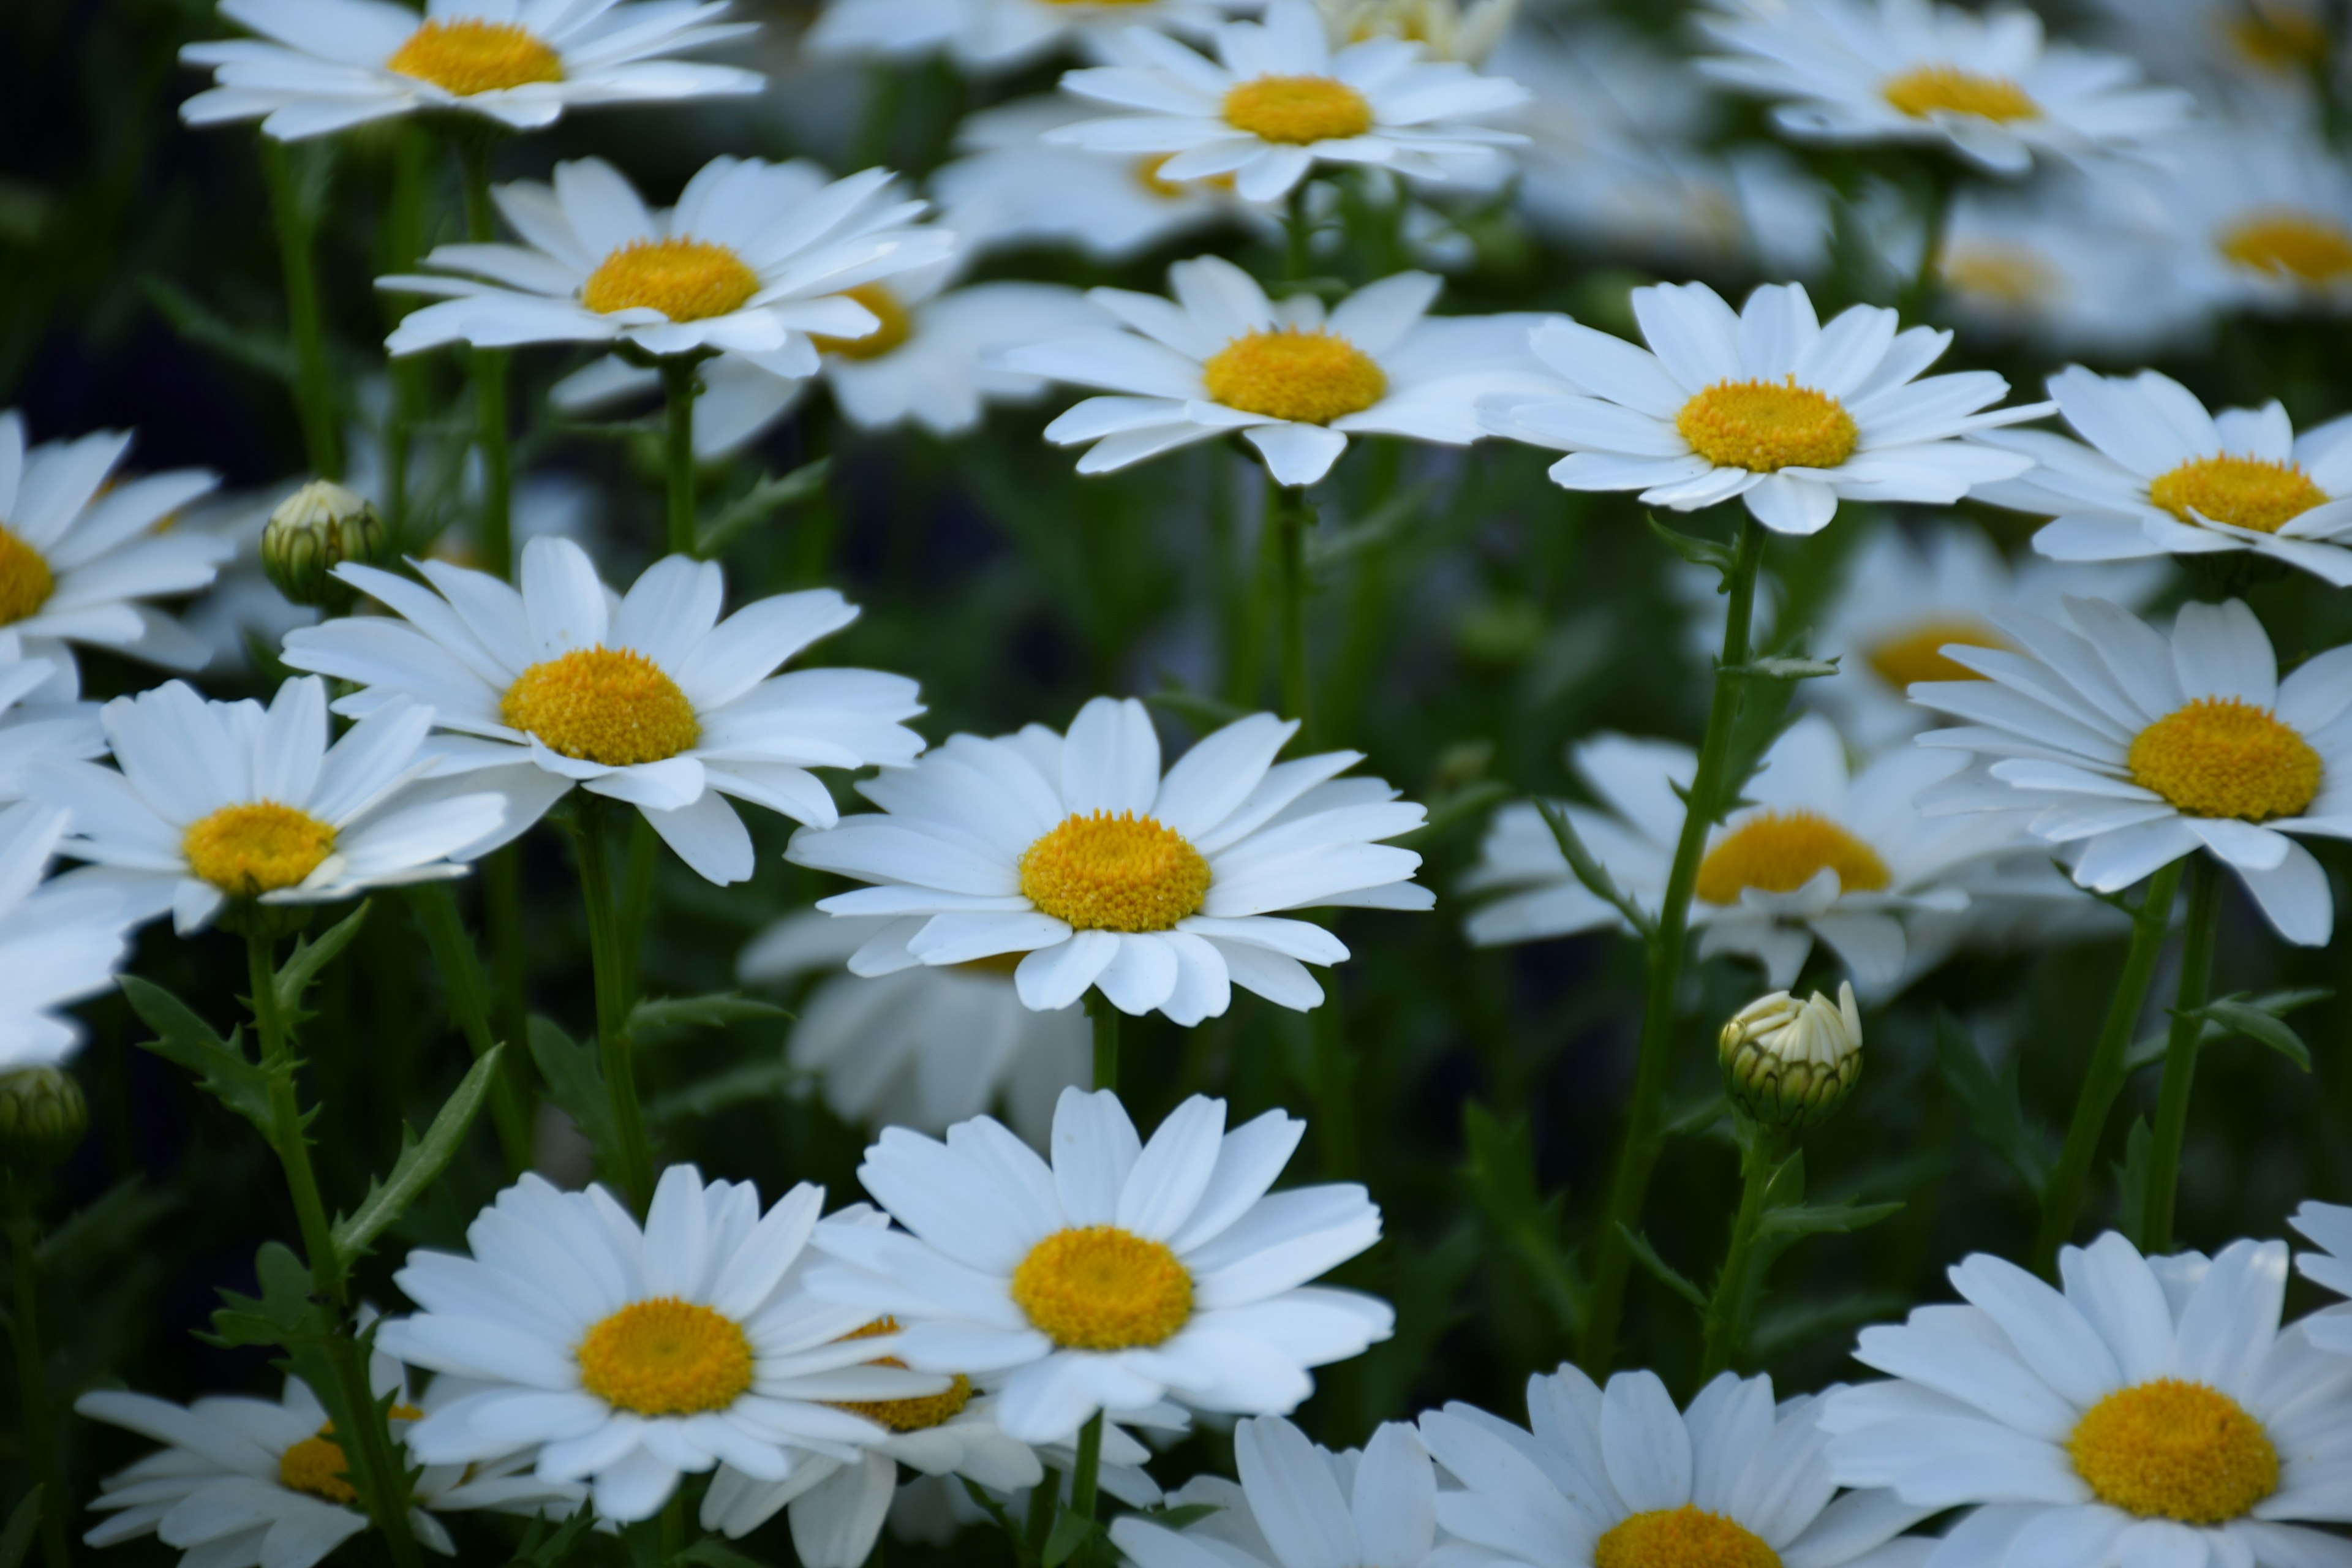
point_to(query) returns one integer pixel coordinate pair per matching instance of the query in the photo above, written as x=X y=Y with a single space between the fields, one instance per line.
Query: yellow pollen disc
x=1147 y=174
x=1924 y=90
x=607 y=705
x=1115 y=873
x=685 y=280
x=1297 y=109
x=905 y=1414
x=2172 y=1450
x=315 y=1464
x=2221 y=757
x=1778 y=852
x=665 y=1357
x=2286 y=244
x=257 y=848
x=2002 y=274
x=1919 y=655
x=1766 y=426
x=897 y=326
x=2245 y=492
x=2278 y=39
x=1309 y=376
x=467 y=57
x=24 y=579
x=1099 y=1287
x=1685 y=1537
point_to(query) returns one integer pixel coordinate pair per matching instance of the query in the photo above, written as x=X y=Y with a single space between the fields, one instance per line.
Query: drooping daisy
x=1911 y=70
x=754 y=258
x=2138 y=748
x=1765 y=404
x=1618 y=1476
x=653 y=701
x=2330 y=1226
x=58 y=944
x=993 y=37
x=924 y=1048
x=1299 y=1505
x=34 y=730
x=1164 y=892
x=2162 y=477
x=632 y=1354
x=1279 y=99
x=1292 y=379
x=2152 y=1413
x=2259 y=216
x=80 y=554
x=1123 y=1274
x=1819 y=852
x=221 y=801
x=325 y=65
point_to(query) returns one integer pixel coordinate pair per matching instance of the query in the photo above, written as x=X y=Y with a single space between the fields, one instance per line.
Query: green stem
x=679 y=385
x=2103 y=1079
x=313 y=396
x=32 y=1372
x=1293 y=515
x=1089 y=1466
x=469 y=1004
x=286 y=1131
x=1944 y=182
x=1106 y=1022
x=490 y=365
x=1726 y=1311
x=1043 y=1498
x=368 y=1456
x=636 y=893
x=1654 y=1069
x=404 y=242
x=613 y=1003
x=1335 y=1090
x=1244 y=682
x=2180 y=1055
x=1298 y=229
x=501 y=875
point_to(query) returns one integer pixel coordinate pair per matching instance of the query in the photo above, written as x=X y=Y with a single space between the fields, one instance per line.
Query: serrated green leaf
x=419 y=1161
x=23 y=1521
x=1697 y=551
x=1071 y=1532
x=303 y=964
x=575 y=1083
x=764 y=500
x=712 y=1010
x=1990 y=1104
x=1823 y=1219
x=1587 y=868
x=222 y=1067
x=1666 y=1273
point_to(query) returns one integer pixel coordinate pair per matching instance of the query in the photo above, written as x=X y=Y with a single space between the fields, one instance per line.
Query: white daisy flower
x=633 y=1354
x=925 y=1047
x=1299 y=1505
x=1911 y=70
x=1292 y=379
x=651 y=698
x=34 y=729
x=2259 y=54
x=1819 y=851
x=221 y=801
x=2330 y=1226
x=2153 y=1413
x=58 y=942
x=2260 y=216
x=933 y=1509
x=1163 y=891
x=80 y=553
x=2162 y=477
x=1765 y=404
x=1279 y=99
x=1123 y=1274
x=997 y=37
x=324 y=65
x=2139 y=748
x=1618 y=1476
x=2056 y=268
x=1446 y=30
x=754 y=259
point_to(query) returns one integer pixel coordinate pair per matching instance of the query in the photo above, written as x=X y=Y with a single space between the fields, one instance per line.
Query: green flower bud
x=1788 y=1064
x=42 y=1118
x=314 y=530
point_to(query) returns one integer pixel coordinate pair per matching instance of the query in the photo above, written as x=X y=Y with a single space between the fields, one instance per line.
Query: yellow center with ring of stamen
x=1308 y=375
x=685 y=280
x=2304 y=246
x=2245 y=492
x=916 y=1414
x=608 y=705
x=1919 y=655
x=26 y=580
x=894 y=325
x=1766 y=426
x=1101 y=872
x=1780 y=851
x=1297 y=109
x=1925 y=90
x=1099 y=1287
x=2174 y=1449
x=468 y=55
x=256 y=847
x=665 y=1357
x=1685 y=1537
x=2219 y=756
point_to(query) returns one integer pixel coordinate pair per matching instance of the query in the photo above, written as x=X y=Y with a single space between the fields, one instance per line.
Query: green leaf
x=2131 y=1175
x=257 y=347
x=1329 y=547
x=1990 y=1104
x=713 y=1551
x=764 y=500
x=17 y=1539
x=2261 y=1025
x=1697 y=551
x=1589 y=871
x=2219 y=1026
x=113 y=1224
x=1452 y=809
x=708 y=1012
x=303 y=966
x=1666 y=1273
x=1199 y=711
x=1817 y=1322
x=1182 y=1516
x=222 y=1067
x=285 y=1313
x=419 y=1160
x=575 y=1083
x=1501 y=1174
x=543 y=1548
x=738 y=1085
x=1071 y=1532
x=1823 y=1219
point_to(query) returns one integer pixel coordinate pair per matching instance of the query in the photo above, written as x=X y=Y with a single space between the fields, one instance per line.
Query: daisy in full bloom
x=995 y=35
x=2162 y=477
x=652 y=699
x=1279 y=99
x=1604 y=1477
x=81 y=552
x=1299 y=1505
x=1820 y=851
x=223 y=801
x=2259 y=216
x=926 y=1046
x=2257 y=54
x=325 y=65
x=58 y=944
x=2058 y=267
x=1987 y=86
x=1165 y=892
x=1765 y=404
x=1292 y=379
x=754 y=259
x=2329 y=1225
x=2138 y=748
x=632 y=1354
x=32 y=730
x=2153 y=1412
x=1123 y=1274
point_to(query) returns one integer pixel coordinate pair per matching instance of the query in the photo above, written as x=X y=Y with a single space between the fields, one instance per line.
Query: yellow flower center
x=2004 y=274
x=467 y=57
x=1919 y=655
x=256 y=847
x=2278 y=39
x=1127 y=872
x=1924 y=90
x=316 y=1464
x=1297 y=109
x=2287 y=243
x=1292 y=373
x=2221 y=757
x=608 y=705
x=906 y=1415
x=1766 y=426
x=1778 y=852
x=1099 y=1287
x=1685 y=1537
x=1147 y=174
x=26 y=584
x=685 y=280
x=2245 y=492
x=2172 y=1450
x=665 y=1357
x=897 y=326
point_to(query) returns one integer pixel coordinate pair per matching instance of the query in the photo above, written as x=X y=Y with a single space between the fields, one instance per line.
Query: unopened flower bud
x=1789 y=1064
x=42 y=1117
x=314 y=530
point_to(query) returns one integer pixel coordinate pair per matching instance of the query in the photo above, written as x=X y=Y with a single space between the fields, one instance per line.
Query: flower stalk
x=1763 y=1154
x=681 y=382
x=470 y=1003
x=2180 y=1048
x=490 y=366
x=613 y=1003
x=39 y=1434
x=285 y=1119
x=314 y=400
x=1293 y=516
x=1104 y=1018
